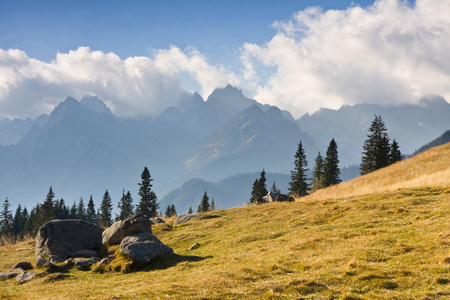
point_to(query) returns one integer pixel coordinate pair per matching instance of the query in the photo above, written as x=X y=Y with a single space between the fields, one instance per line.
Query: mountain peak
x=95 y=104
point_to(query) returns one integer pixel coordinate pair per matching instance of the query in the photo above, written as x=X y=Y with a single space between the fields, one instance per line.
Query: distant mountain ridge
x=81 y=148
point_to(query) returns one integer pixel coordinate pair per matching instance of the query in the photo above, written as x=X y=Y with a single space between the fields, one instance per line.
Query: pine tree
x=61 y=210
x=73 y=211
x=298 y=185
x=259 y=188
x=47 y=212
x=190 y=211
x=204 y=204
x=255 y=192
x=317 y=181
x=274 y=189
x=6 y=219
x=173 y=211
x=331 y=169
x=91 y=216
x=17 y=223
x=125 y=206
x=81 y=210
x=30 y=225
x=262 y=183
x=147 y=205
x=394 y=154
x=105 y=211
x=213 y=205
x=376 y=147
x=170 y=211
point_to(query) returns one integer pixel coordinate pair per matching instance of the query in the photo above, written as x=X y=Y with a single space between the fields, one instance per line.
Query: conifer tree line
x=23 y=223
x=204 y=205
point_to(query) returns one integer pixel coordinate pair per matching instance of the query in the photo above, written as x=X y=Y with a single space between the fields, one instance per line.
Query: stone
x=6 y=275
x=25 y=276
x=86 y=262
x=41 y=261
x=143 y=247
x=157 y=220
x=135 y=224
x=24 y=265
x=186 y=218
x=55 y=259
x=84 y=253
x=65 y=237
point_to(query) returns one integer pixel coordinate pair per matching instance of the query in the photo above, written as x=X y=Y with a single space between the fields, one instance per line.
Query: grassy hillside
x=389 y=243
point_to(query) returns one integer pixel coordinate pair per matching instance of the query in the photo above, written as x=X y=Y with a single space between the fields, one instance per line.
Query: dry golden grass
x=386 y=245
x=428 y=169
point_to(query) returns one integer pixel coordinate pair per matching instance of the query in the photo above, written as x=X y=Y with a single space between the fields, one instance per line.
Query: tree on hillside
x=213 y=205
x=147 y=205
x=394 y=153
x=259 y=188
x=298 y=185
x=104 y=219
x=376 y=147
x=47 y=212
x=91 y=216
x=204 y=204
x=61 y=210
x=275 y=189
x=125 y=206
x=81 y=210
x=6 y=219
x=18 y=222
x=190 y=211
x=331 y=169
x=170 y=211
x=317 y=181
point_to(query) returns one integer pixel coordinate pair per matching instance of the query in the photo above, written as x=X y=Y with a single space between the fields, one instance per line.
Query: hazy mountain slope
x=229 y=192
x=443 y=139
x=411 y=125
x=12 y=131
x=427 y=169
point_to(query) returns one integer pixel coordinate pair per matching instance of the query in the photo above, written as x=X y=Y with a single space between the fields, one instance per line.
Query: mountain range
x=219 y=145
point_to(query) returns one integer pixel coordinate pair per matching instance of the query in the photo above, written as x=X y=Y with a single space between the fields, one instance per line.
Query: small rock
x=25 y=276
x=41 y=261
x=86 y=262
x=24 y=265
x=85 y=253
x=6 y=275
x=186 y=218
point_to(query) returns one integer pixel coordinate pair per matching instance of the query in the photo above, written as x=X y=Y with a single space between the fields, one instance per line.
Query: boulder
x=143 y=247
x=25 y=276
x=6 y=275
x=65 y=237
x=186 y=218
x=41 y=261
x=120 y=229
x=24 y=265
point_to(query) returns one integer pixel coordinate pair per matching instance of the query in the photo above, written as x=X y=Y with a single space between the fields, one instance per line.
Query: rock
x=55 y=258
x=143 y=247
x=24 y=265
x=25 y=276
x=86 y=262
x=41 y=261
x=157 y=220
x=105 y=261
x=186 y=218
x=65 y=237
x=6 y=275
x=84 y=253
x=120 y=229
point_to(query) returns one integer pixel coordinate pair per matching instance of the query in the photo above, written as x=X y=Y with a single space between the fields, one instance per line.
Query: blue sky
x=143 y=56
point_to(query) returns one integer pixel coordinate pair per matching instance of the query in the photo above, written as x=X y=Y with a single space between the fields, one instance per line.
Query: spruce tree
x=317 y=181
x=125 y=206
x=17 y=226
x=61 y=210
x=376 y=147
x=81 y=210
x=204 y=204
x=262 y=183
x=104 y=219
x=6 y=219
x=274 y=189
x=298 y=185
x=170 y=211
x=331 y=169
x=73 y=211
x=213 y=205
x=91 y=216
x=148 y=204
x=173 y=211
x=255 y=192
x=47 y=212
x=394 y=154
x=190 y=211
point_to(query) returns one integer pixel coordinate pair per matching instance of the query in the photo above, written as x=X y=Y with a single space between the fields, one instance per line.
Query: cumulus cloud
x=391 y=52
x=133 y=87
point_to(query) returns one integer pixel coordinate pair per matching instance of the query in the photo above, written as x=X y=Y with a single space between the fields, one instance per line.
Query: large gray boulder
x=63 y=238
x=120 y=229
x=186 y=218
x=143 y=247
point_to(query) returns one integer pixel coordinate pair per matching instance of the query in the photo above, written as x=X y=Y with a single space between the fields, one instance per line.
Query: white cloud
x=134 y=87
x=388 y=53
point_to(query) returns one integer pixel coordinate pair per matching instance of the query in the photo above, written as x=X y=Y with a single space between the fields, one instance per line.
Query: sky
x=141 y=57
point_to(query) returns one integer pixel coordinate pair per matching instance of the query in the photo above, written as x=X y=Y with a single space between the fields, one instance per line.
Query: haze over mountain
x=219 y=145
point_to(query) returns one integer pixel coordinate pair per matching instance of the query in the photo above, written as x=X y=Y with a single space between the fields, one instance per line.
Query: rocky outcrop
x=186 y=218
x=120 y=229
x=24 y=265
x=143 y=247
x=63 y=238
x=25 y=276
